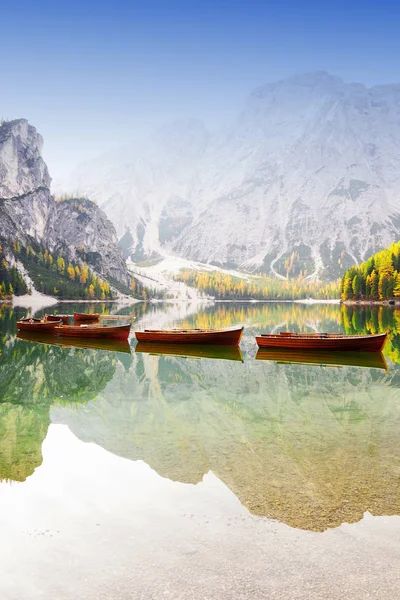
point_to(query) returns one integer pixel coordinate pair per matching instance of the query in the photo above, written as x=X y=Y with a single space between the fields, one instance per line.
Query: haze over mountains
x=311 y=165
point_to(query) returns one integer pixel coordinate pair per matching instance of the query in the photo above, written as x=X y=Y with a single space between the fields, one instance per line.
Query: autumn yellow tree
x=71 y=272
x=84 y=273
x=60 y=265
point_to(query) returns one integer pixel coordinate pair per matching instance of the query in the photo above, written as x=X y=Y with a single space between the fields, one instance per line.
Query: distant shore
x=392 y=302
x=297 y=301
x=37 y=301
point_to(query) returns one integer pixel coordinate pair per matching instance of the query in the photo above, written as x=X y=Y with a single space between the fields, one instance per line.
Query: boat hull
x=120 y=332
x=41 y=327
x=223 y=337
x=86 y=317
x=332 y=342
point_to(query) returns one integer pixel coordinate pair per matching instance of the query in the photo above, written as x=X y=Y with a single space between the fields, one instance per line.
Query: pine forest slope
x=33 y=225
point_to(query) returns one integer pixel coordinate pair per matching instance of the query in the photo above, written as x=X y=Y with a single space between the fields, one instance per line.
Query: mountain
x=310 y=166
x=72 y=227
x=145 y=189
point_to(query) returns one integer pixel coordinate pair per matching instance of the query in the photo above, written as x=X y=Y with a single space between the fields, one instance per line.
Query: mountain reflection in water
x=312 y=447
x=35 y=374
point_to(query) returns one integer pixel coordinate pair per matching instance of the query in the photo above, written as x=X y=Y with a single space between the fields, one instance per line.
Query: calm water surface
x=137 y=474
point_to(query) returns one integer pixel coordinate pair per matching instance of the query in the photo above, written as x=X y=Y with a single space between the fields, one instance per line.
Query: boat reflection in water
x=191 y=350
x=370 y=360
x=112 y=345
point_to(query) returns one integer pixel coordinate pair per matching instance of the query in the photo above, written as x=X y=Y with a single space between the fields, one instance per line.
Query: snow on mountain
x=311 y=166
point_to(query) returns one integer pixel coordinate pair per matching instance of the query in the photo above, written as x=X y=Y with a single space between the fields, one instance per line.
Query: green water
x=311 y=445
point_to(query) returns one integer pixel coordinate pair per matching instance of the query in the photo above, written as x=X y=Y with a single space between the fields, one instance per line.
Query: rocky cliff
x=29 y=213
x=25 y=200
x=310 y=166
x=81 y=227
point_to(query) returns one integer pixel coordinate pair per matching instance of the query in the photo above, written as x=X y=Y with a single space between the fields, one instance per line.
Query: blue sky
x=92 y=75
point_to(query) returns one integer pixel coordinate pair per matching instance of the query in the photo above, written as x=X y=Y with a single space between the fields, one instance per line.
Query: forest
x=11 y=281
x=223 y=286
x=51 y=274
x=378 y=278
x=56 y=275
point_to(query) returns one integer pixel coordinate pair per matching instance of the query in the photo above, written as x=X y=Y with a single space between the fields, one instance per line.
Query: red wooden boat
x=37 y=326
x=217 y=337
x=64 y=318
x=86 y=316
x=118 y=332
x=323 y=341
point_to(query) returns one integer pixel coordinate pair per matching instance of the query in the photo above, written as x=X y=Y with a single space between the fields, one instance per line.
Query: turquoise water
x=220 y=474
x=311 y=445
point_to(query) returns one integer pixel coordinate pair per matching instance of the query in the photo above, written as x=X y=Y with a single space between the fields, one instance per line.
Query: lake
x=136 y=474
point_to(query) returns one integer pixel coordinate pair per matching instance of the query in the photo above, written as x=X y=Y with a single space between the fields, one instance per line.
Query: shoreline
x=391 y=303
x=37 y=302
x=31 y=301
x=115 y=301
x=297 y=301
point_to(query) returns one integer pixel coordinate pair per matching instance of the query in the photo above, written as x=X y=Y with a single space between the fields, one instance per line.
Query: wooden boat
x=323 y=341
x=215 y=337
x=86 y=316
x=38 y=326
x=369 y=360
x=63 y=318
x=111 y=345
x=117 y=332
x=191 y=351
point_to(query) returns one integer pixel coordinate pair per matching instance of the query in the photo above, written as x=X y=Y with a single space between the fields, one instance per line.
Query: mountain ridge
x=31 y=216
x=311 y=166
